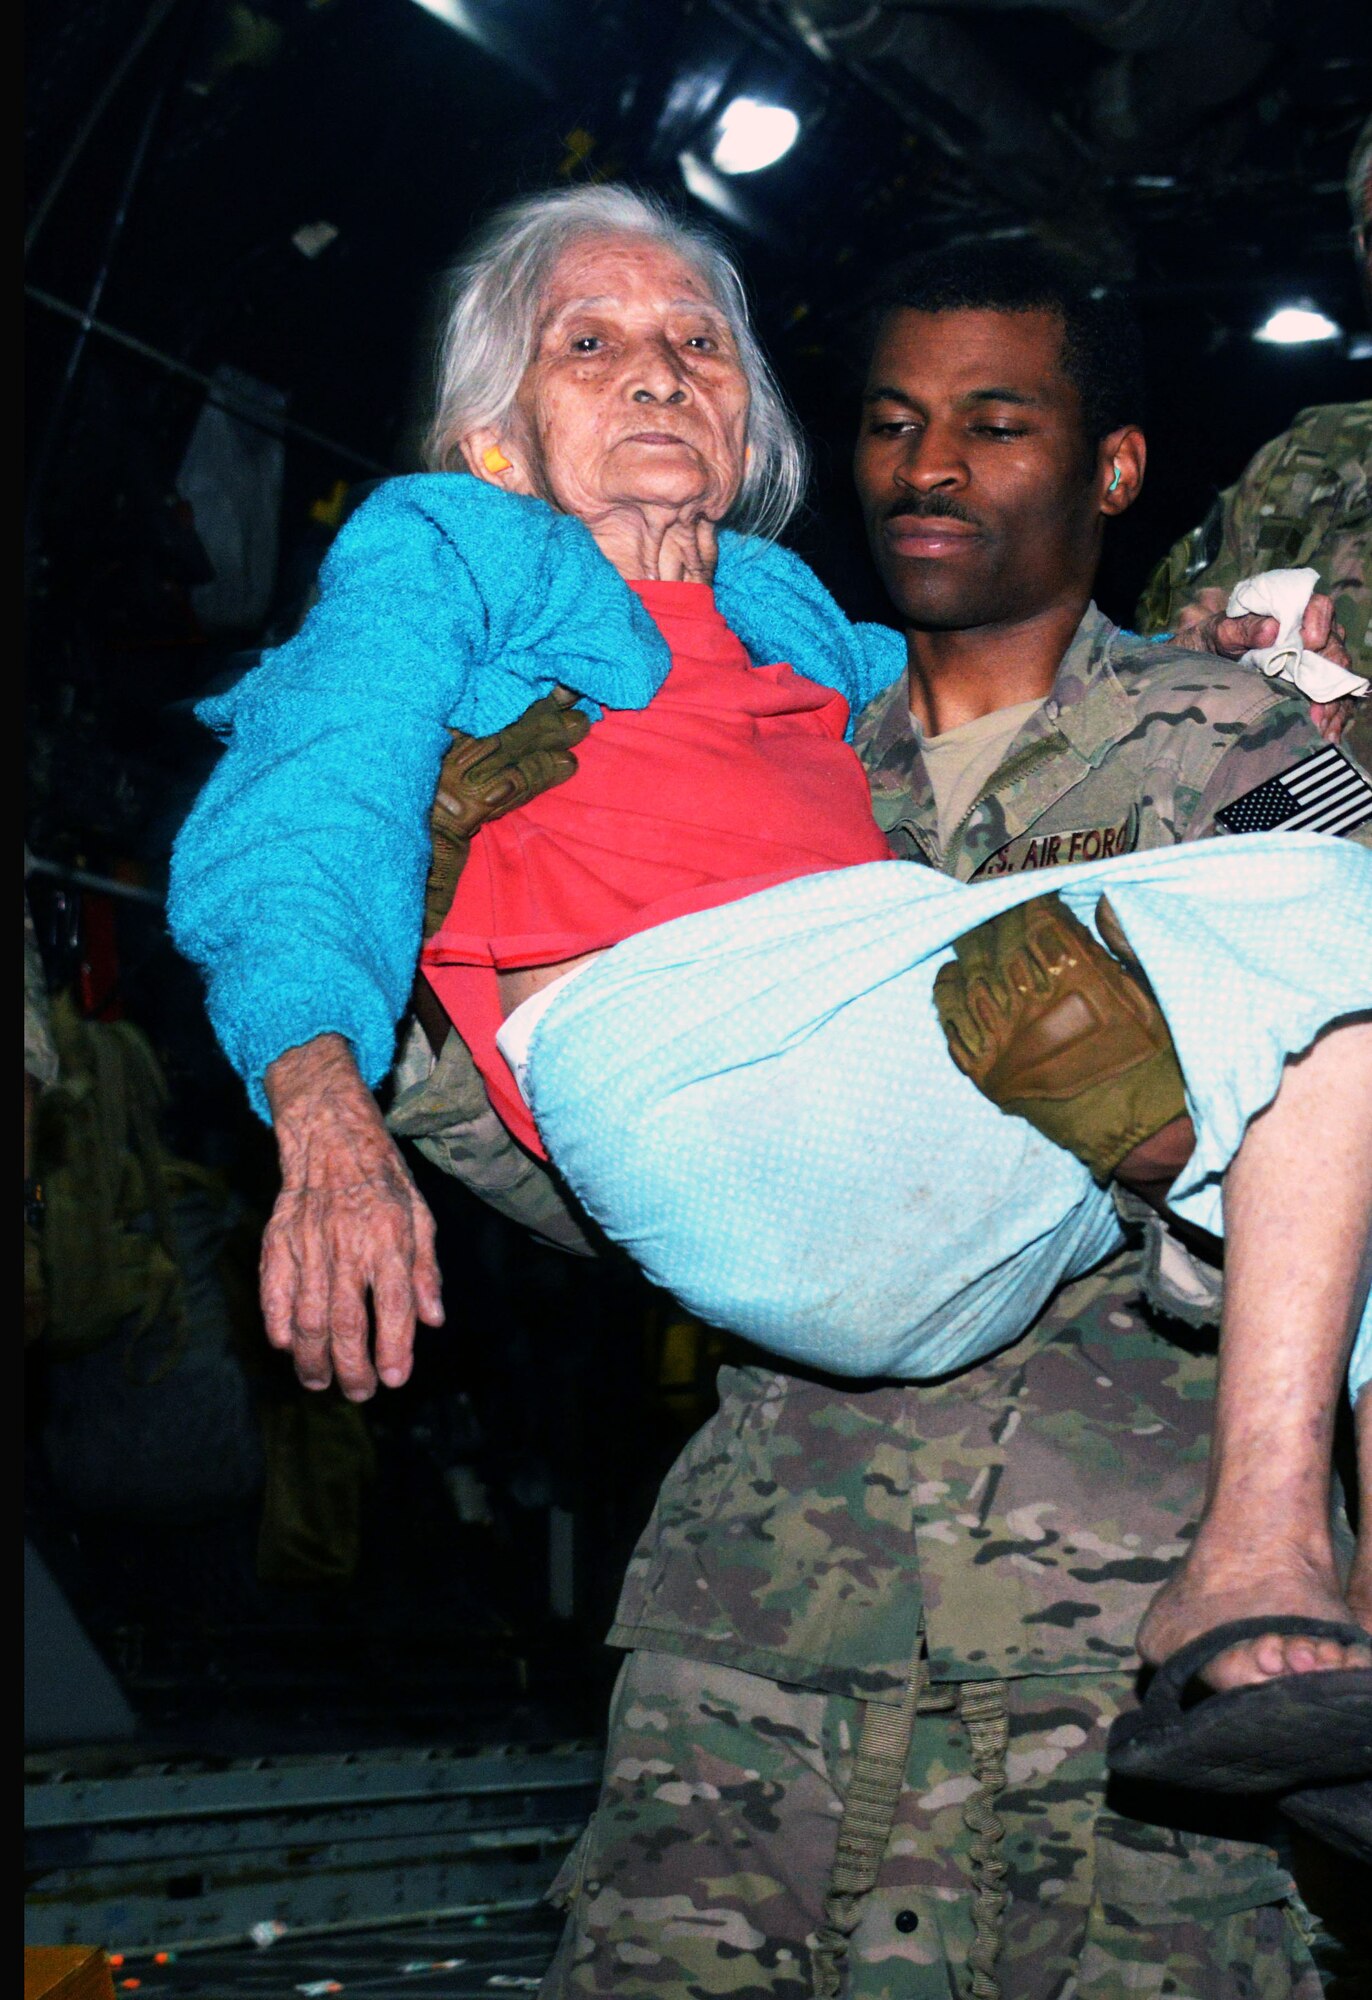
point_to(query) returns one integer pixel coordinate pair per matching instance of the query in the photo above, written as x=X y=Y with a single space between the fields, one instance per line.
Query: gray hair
x=491 y=330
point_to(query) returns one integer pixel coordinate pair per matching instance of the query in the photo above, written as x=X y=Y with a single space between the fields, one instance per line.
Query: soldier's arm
x=441 y=1103
x=1046 y=1023
x=1272 y=746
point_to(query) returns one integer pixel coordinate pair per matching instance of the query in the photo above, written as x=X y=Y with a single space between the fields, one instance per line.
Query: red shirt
x=732 y=779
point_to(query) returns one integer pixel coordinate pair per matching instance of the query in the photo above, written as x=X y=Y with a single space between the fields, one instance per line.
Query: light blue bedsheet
x=757 y=1101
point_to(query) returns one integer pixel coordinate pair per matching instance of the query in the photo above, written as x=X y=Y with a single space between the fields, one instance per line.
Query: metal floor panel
x=189 y=1788
x=473 y=1959
x=184 y=1854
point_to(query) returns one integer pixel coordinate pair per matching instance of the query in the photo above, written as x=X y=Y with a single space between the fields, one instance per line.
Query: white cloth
x=1283 y=594
x=513 y=1035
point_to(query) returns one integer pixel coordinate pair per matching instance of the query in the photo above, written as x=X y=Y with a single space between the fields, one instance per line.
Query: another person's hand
x=1204 y=626
x=1331 y=718
x=485 y=776
x=349 y=1223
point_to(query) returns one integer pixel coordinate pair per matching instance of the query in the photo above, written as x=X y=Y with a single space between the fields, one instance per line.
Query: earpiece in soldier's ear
x=1116 y=480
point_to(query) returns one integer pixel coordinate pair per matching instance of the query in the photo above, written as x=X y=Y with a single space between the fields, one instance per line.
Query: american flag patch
x=1325 y=794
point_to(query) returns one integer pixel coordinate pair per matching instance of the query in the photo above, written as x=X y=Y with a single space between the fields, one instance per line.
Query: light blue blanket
x=757 y=1101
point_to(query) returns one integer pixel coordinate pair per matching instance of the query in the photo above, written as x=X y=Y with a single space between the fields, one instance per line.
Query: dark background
x=1191 y=153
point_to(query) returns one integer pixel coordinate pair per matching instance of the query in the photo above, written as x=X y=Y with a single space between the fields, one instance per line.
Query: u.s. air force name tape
x=1060 y=849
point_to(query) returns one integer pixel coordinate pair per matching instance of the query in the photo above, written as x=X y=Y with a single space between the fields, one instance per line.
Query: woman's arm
x=349 y=1221
x=297 y=880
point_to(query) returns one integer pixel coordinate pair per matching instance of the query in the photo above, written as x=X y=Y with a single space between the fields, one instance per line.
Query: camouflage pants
x=705 y=1868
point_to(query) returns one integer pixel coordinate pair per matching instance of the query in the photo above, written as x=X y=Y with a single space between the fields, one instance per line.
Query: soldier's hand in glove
x=1052 y=1028
x=486 y=776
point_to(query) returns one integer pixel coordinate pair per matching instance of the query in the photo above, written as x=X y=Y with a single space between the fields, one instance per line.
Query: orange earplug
x=494 y=459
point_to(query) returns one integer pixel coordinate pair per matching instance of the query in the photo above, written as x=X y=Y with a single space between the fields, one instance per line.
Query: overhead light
x=457 y=15
x=706 y=185
x=312 y=238
x=753 y=135
x=1294 y=325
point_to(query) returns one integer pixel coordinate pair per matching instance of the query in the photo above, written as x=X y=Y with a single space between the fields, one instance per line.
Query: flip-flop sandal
x=1274 y=1736
x=1338 y=1814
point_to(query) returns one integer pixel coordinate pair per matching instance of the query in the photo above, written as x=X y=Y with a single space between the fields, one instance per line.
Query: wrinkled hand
x=1331 y=718
x=689 y=552
x=485 y=776
x=1053 y=1029
x=1205 y=627
x=348 y=1223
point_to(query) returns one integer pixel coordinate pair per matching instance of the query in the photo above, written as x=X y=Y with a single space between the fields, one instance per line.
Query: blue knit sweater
x=298 y=879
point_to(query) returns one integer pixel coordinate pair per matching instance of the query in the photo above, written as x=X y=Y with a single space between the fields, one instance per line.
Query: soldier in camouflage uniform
x=1020 y=1516
x=876 y=1634
x=822 y=1553
x=1305 y=500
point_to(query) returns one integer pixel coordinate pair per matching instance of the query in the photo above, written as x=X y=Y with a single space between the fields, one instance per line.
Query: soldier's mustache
x=935 y=507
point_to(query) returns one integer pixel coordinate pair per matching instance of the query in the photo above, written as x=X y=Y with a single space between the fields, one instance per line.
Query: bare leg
x=1298 y=1215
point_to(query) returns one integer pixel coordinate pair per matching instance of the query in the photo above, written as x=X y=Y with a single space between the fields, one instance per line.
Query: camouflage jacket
x=1304 y=501
x=1028 y=1508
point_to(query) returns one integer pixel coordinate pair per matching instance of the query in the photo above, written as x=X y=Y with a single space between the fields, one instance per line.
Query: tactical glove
x=1053 y=1029
x=486 y=776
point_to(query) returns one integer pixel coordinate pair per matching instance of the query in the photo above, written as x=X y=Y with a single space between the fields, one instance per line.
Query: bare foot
x=1215 y=1585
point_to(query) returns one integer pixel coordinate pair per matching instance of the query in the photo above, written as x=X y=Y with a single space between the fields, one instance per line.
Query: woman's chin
x=664 y=487
x=659 y=475
x=681 y=503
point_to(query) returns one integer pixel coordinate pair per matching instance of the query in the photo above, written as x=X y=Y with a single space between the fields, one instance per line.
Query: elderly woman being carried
x=691 y=975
